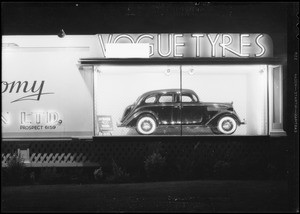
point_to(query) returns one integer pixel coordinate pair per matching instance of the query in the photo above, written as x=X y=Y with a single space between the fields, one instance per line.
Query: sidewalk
x=184 y=196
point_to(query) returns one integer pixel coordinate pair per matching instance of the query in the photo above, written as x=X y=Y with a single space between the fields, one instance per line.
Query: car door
x=191 y=110
x=165 y=108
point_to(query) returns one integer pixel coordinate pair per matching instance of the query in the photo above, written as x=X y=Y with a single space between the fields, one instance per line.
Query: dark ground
x=184 y=196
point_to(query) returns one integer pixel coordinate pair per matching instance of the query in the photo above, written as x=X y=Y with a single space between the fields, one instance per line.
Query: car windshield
x=138 y=99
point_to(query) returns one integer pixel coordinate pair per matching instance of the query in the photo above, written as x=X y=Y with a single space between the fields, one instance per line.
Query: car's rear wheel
x=146 y=125
x=226 y=125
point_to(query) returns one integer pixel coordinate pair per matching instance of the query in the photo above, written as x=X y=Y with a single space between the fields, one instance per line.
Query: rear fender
x=131 y=121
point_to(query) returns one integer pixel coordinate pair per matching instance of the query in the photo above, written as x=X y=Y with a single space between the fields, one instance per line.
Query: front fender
x=215 y=118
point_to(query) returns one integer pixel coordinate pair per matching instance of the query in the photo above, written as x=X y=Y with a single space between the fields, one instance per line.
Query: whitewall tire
x=227 y=125
x=146 y=125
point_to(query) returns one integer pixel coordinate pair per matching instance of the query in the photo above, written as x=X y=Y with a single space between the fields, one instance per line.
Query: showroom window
x=246 y=98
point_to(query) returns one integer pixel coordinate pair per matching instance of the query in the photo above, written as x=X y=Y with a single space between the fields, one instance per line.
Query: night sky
x=93 y=18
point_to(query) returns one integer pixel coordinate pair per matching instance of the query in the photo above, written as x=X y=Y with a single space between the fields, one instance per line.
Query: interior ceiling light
x=61 y=34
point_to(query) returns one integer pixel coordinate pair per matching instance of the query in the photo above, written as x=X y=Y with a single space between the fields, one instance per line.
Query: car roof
x=163 y=91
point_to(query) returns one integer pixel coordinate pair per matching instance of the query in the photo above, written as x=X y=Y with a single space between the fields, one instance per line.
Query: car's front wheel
x=146 y=125
x=226 y=125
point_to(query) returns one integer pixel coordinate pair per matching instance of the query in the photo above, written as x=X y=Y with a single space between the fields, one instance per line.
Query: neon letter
x=263 y=50
x=123 y=36
x=177 y=44
x=52 y=117
x=213 y=43
x=197 y=43
x=24 y=118
x=242 y=44
x=102 y=43
x=159 y=46
x=224 y=45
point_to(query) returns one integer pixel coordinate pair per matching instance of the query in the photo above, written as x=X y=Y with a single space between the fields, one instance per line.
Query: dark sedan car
x=178 y=107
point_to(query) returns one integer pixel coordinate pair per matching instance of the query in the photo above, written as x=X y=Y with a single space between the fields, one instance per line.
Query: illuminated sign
x=40 y=78
x=5 y=118
x=46 y=120
x=39 y=120
x=195 y=45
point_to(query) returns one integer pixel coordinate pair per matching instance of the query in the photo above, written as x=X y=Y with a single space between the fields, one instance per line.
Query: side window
x=195 y=98
x=166 y=99
x=150 y=99
x=189 y=98
x=186 y=99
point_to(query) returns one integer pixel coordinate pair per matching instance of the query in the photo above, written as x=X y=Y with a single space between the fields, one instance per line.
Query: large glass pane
x=134 y=100
x=232 y=100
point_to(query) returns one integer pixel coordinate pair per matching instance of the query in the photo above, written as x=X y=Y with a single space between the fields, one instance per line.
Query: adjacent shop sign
x=40 y=81
x=28 y=90
x=32 y=121
x=195 y=45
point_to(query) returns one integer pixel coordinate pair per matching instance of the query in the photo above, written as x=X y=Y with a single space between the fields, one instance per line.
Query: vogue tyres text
x=196 y=45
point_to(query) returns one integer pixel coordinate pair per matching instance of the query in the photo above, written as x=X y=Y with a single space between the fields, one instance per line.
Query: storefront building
x=75 y=100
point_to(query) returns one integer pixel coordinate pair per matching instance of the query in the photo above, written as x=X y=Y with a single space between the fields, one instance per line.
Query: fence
x=131 y=152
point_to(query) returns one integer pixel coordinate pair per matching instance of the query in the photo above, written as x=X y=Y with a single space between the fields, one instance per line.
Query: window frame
x=270 y=63
x=275 y=127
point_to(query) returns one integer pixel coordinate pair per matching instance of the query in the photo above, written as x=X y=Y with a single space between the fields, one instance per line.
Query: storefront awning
x=89 y=61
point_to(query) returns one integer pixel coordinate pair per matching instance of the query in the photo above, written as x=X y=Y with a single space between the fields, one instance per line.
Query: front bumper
x=243 y=122
x=119 y=124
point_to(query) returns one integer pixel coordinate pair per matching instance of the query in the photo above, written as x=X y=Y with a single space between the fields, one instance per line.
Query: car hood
x=213 y=105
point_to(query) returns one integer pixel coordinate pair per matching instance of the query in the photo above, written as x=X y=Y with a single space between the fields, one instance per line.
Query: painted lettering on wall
x=30 y=90
x=39 y=120
x=196 y=45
